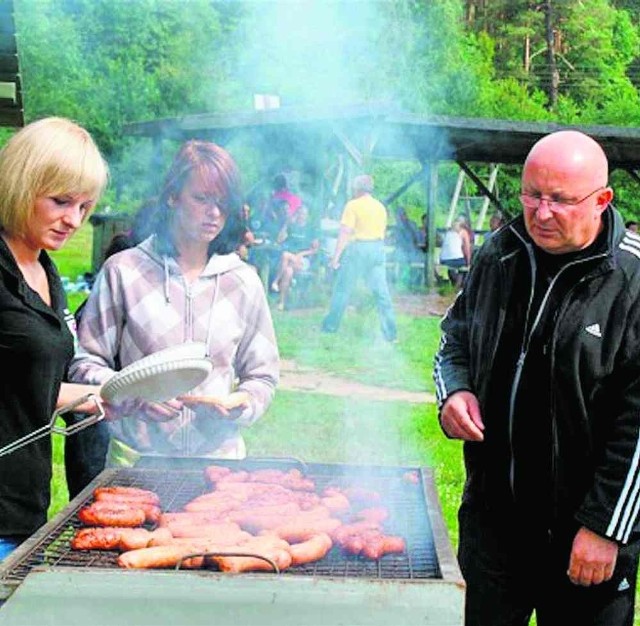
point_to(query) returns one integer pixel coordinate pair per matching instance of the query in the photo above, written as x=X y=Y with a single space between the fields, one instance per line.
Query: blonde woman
x=51 y=176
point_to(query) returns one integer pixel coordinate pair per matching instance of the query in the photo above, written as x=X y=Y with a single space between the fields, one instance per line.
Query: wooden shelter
x=363 y=133
x=11 y=109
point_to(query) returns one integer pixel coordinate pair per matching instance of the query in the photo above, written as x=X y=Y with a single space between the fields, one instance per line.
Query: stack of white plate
x=160 y=376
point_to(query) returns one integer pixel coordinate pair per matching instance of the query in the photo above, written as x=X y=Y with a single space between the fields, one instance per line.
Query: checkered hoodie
x=140 y=304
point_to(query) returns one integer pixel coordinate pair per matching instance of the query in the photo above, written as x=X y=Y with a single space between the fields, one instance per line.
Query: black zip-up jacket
x=594 y=365
x=36 y=346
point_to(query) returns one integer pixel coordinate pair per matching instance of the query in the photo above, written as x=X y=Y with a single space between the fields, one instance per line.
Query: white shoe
x=274 y=286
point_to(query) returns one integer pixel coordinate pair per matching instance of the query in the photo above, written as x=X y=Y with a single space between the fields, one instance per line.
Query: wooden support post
x=485 y=202
x=430 y=182
x=454 y=199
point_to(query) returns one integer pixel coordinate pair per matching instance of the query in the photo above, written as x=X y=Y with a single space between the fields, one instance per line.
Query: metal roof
x=385 y=132
x=11 y=110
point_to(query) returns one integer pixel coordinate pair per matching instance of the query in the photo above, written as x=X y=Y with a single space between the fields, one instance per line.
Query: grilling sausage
x=114 y=538
x=311 y=550
x=303 y=528
x=151 y=511
x=111 y=515
x=158 y=557
x=127 y=492
x=269 y=547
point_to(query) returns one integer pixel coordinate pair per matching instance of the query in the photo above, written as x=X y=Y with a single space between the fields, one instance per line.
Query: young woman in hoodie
x=184 y=283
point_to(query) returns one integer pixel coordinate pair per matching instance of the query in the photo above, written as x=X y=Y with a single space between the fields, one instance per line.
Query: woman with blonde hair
x=51 y=176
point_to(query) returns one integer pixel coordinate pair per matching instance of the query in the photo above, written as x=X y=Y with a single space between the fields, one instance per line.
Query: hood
x=217 y=264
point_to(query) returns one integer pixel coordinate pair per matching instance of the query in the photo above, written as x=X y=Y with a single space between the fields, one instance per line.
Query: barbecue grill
x=44 y=580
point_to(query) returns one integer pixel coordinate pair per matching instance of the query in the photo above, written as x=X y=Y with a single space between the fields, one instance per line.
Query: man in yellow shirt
x=359 y=253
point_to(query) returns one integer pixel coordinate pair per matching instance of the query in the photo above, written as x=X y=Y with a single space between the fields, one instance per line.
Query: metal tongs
x=51 y=427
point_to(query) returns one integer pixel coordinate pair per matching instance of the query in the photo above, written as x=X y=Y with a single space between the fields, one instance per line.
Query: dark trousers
x=85 y=453
x=364 y=260
x=510 y=571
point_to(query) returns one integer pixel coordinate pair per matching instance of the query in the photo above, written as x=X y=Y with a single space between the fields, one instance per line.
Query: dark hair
x=280 y=182
x=630 y=223
x=216 y=167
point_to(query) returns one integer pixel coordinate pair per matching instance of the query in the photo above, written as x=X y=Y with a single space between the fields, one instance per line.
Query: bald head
x=565 y=192
x=570 y=153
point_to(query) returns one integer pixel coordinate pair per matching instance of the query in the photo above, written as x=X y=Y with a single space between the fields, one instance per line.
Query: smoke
x=314 y=52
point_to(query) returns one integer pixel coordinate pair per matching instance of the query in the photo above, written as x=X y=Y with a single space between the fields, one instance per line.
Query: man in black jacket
x=538 y=371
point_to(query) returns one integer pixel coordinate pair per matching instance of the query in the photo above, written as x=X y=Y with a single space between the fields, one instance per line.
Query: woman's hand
x=229 y=407
x=144 y=410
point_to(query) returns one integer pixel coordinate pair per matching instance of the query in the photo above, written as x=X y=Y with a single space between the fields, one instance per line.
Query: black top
x=300 y=237
x=36 y=346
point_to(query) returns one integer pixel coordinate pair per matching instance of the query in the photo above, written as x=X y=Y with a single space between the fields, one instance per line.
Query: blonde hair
x=52 y=156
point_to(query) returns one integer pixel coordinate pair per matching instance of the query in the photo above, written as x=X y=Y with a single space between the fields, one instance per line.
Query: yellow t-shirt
x=366 y=216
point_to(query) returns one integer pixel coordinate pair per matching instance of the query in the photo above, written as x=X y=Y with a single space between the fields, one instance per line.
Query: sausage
x=336 y=503
x=376 y=515
x=127 y=492
x=293 y=479
x=113 y=515
x=189 y=518
x=394 y=544
x=113 y=538
x=213 y=473
x=267 y=546
x=96 y=539
x=158 y=557
x=136 y=538
x=301 y=528
x=221 y=533
x=151 y=511
x=311 y=550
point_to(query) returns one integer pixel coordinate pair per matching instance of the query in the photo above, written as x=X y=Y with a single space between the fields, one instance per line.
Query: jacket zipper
x=188 y=331
x=523 y=355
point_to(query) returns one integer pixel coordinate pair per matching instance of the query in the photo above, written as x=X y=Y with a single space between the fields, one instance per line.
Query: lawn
x=320 y=428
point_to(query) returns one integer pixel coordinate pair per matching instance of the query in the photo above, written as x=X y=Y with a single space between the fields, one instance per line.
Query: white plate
x=189 y=350
x=157 y=381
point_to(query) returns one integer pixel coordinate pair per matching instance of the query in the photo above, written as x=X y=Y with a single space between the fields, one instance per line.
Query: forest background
x=109 y=62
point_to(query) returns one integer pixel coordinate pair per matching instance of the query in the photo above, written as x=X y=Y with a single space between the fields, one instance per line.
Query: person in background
x=85 y=452
x=360 y=253
x=538 y=371
x=631 y=225
x=456 y=250
x=408 y=250
x=423 y=235
x=299 y=247
x=248 y=238
x=270 y=230
x=51 y=176
x=281 y=191
x=185 y=283
x=495 y=221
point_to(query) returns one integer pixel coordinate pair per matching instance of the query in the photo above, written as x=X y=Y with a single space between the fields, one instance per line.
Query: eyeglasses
x=530 y=201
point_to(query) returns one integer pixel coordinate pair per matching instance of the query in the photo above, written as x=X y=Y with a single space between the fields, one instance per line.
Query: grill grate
x=406 y=501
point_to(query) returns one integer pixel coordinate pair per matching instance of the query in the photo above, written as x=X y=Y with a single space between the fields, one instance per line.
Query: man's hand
x=460 y=417
x=593 y=558
x=334 y=264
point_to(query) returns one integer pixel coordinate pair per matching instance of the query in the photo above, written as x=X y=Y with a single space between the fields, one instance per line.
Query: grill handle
x=276 y=569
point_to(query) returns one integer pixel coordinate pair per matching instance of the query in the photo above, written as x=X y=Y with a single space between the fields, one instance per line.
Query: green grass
x=320 y=428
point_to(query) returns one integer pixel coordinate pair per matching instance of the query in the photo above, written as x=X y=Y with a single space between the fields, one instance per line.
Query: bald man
x=538 y=371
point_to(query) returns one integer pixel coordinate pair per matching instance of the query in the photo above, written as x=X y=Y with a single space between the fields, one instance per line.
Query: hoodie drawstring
x=167 y=299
